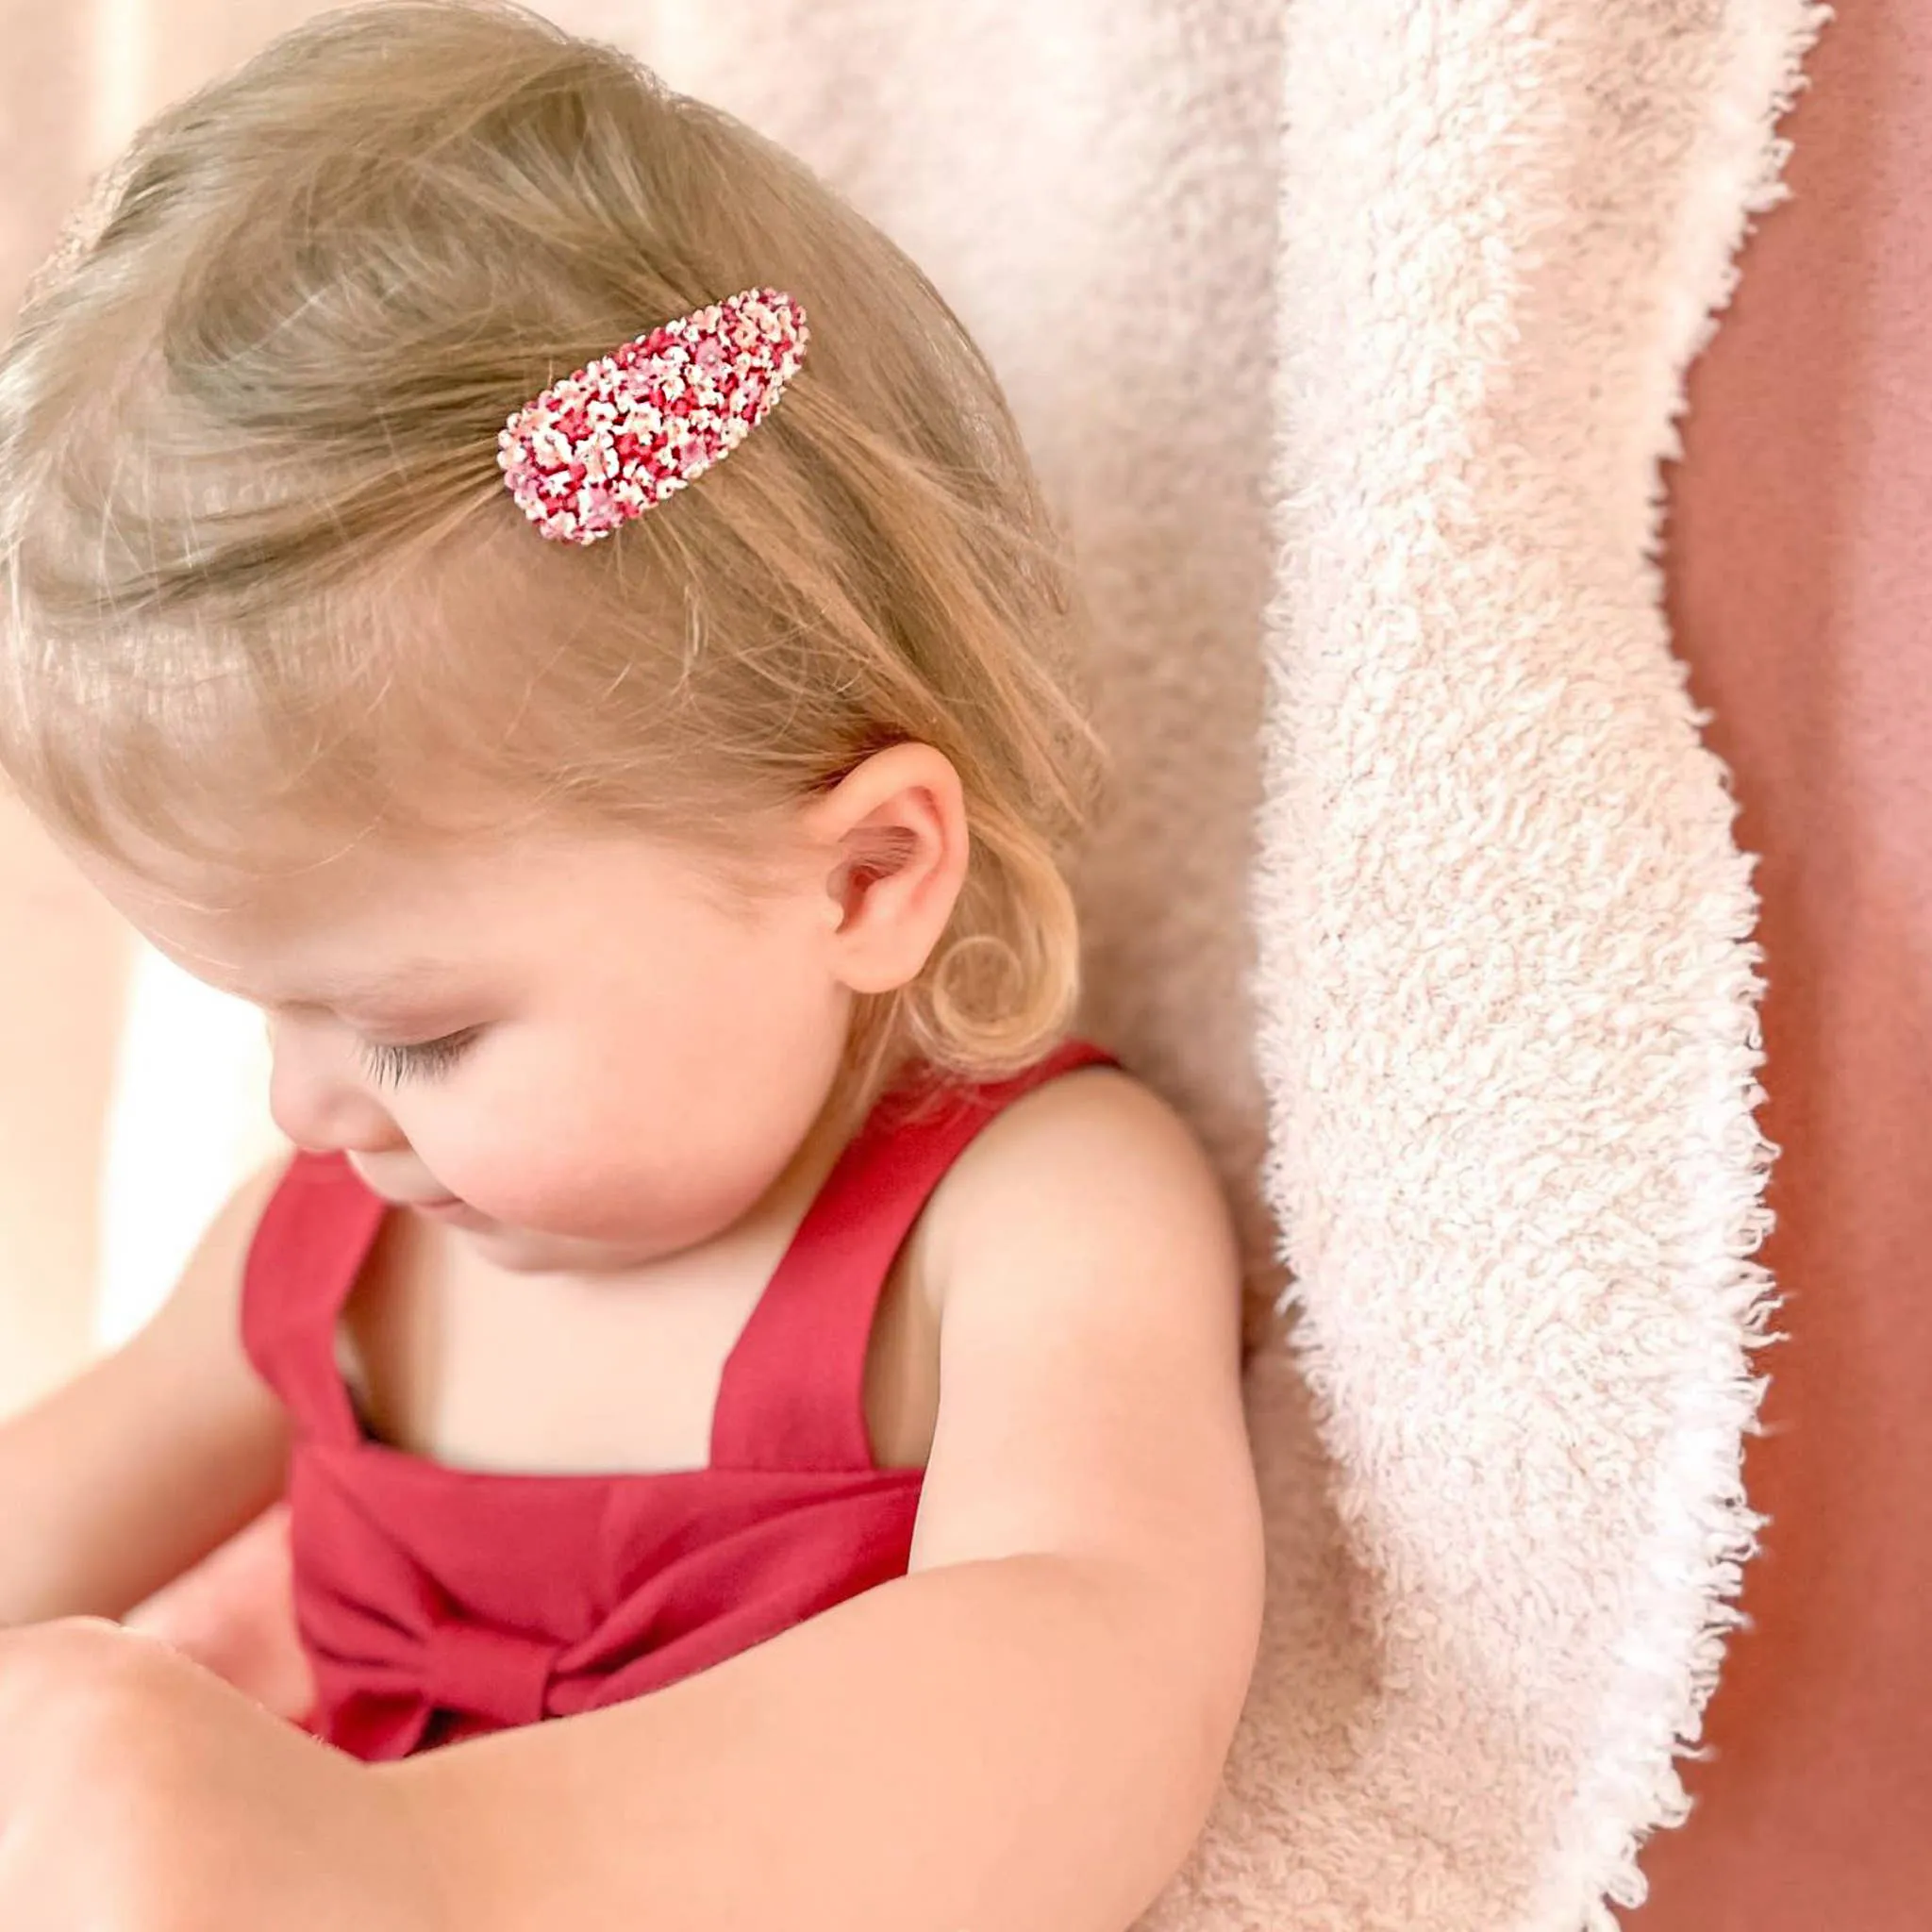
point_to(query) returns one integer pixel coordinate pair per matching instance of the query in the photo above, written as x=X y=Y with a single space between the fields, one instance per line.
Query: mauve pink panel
x=1800 y=565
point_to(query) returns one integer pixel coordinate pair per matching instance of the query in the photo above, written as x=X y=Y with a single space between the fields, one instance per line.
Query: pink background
x=1800 y=565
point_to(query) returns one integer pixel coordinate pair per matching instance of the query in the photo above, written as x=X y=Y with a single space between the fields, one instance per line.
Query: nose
x=315 y=1099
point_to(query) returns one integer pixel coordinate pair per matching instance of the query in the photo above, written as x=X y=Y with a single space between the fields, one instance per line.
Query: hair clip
x=617 y=437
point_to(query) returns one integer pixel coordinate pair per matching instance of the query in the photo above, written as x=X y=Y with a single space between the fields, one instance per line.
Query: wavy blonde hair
x=261 y=567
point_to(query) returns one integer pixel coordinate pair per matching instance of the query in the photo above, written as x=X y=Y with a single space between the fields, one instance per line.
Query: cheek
x=655 y=1121
x=549 y=1137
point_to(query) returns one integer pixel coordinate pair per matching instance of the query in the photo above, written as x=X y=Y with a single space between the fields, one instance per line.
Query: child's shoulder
x=1096 y=1128
x=1087 y=1279
x=1093 y=1167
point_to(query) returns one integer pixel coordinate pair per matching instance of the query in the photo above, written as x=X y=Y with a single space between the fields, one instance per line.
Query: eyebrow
x=404 y=979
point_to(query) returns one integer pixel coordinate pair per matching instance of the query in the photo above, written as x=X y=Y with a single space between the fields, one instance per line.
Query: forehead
x=370 y=917
x=366 y=922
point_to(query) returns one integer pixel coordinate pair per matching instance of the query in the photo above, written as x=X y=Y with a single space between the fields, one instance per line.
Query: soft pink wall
x=1800 y=570
x=63 y=957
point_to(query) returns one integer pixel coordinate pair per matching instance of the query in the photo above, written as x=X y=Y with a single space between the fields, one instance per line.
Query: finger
x=21 y=1638
x=40 y=1663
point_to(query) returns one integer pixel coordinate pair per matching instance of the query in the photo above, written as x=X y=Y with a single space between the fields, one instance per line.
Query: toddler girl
x=509 y=576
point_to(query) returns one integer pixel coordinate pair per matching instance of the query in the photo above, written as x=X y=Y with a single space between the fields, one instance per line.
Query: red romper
x=438 y=1603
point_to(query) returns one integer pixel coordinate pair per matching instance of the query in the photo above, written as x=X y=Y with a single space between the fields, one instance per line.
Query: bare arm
x=120 y=1480
x=1028 y=1732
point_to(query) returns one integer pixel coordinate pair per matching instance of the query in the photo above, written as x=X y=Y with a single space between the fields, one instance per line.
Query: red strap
x=793 y=1396
x=794 y=1390
x=308 y=1250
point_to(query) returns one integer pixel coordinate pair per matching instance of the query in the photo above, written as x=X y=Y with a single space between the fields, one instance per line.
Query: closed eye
x=427 y=1059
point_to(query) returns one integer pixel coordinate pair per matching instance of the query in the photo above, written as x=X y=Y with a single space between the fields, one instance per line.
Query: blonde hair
x=248 y=424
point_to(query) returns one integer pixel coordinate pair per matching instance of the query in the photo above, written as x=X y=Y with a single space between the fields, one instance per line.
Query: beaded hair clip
x=617 y=437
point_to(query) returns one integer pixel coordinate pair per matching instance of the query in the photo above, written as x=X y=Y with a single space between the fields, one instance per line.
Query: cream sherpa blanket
x=1349 y=335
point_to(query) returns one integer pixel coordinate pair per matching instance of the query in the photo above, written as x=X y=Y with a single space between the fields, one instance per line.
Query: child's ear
x=895 y=831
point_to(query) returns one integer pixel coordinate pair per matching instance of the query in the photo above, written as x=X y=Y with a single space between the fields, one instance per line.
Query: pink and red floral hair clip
x=617 y=437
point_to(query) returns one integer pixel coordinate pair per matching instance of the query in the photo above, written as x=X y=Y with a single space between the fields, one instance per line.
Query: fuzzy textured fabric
x=1349 y=337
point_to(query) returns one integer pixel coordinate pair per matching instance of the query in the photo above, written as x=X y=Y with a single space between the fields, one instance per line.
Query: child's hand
x=140 y=1794
x=234 y=1613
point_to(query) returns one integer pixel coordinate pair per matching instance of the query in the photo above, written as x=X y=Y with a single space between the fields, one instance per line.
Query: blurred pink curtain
x=1800 y=592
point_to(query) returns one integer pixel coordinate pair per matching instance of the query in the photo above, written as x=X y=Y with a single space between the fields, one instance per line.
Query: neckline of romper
x=791 y=1395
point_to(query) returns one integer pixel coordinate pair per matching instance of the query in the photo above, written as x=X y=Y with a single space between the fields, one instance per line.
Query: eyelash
x=426 y=1060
